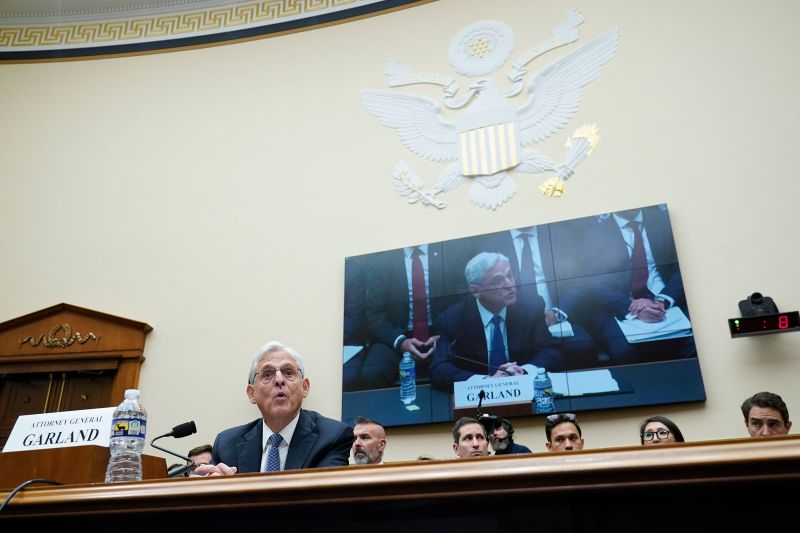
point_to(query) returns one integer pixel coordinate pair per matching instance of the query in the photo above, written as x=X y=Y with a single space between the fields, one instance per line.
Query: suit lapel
x=302 y=442
x=249 y=452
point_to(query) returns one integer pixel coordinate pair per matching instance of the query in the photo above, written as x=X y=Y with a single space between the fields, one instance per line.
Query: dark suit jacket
x=608 y=263
x=462 y=335
x=317 y=442
x=387 y=293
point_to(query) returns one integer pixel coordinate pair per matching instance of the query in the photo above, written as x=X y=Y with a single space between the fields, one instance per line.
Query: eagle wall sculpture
x=486 y=140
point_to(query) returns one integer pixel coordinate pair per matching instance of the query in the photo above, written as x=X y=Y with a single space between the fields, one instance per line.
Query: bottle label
x=128 y=427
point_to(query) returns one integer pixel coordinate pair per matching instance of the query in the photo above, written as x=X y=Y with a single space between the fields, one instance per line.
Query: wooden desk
x=715 y=484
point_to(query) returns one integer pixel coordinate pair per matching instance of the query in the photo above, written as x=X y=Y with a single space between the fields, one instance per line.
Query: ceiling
x=70 y=29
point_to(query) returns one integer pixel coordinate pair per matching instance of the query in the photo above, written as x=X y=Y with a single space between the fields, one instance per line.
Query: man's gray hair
x=479 y=264
x=272 y=347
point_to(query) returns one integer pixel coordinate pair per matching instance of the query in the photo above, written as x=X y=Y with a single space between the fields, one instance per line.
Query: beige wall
x=214 y=193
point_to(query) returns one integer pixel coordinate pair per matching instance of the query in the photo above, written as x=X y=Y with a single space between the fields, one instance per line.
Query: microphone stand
x=179 y=431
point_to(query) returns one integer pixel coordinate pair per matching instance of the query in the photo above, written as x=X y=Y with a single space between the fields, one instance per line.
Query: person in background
x=563 y=433
x=502 y=440
x=486 y=334
x=369 y=443
x=659 y=430
x=469 y=438
x=766 y=415
x=285 y=437
x=201 y=455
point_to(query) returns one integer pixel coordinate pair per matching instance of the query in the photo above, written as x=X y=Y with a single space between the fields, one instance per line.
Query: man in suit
x=545 y=263
x=404 y=291
x=631 y=271
x=486 y=335
x=286 y=437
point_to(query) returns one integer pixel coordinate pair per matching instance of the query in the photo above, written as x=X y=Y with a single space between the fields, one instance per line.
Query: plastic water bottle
x=543 y=392
x=408 y=379
x=127 y=440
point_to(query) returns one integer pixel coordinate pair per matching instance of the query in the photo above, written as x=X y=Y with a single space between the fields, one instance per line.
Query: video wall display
x=598 y=302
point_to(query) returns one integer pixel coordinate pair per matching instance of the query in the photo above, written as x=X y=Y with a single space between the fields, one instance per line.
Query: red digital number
x=783 y=322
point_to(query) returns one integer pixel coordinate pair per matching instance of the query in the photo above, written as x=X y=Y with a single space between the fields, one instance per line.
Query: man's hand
x=550 y=317
x=220 y=469
x=508 y=369
x=419 y=350
x=648 y=310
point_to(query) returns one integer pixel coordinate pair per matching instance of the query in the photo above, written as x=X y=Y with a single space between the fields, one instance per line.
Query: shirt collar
x=409 y=250
x=622 y=222
x=286 y=432
x=486 y=315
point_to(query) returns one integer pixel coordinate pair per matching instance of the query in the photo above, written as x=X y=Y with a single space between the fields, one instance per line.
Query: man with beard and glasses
x=502 y=440
x=369 y=442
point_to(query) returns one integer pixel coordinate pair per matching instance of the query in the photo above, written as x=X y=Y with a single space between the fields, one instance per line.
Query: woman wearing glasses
x=659 y=430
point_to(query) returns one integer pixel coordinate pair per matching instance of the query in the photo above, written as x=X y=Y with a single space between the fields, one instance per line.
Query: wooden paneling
x=714 y=484
x=66 y=358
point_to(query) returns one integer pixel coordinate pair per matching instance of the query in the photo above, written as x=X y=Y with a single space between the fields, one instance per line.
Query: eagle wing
x=418 y=122
x=555 y=92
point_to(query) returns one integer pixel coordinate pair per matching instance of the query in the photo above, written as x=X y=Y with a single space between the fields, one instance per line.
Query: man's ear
x=788 y=426
x=382 y=445
x=455 y=449
x=548 y=445
x=250 y=390
x=474 y=290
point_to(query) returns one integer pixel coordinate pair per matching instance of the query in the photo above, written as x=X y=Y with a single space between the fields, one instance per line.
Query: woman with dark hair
x=659 y=430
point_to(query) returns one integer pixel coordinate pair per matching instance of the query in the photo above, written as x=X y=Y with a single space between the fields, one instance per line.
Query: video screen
x=434 y=331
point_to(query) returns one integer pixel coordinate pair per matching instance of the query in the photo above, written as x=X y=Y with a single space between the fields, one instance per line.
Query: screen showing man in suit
x=598 y=302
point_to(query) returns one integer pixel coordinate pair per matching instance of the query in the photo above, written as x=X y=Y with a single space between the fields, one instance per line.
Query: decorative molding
x=169 y=24
x=50 y=340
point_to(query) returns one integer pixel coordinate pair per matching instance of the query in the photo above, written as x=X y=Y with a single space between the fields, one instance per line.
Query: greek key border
x=178 y=29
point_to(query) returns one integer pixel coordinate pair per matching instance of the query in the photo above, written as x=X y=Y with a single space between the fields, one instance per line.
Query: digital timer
x=759 y=325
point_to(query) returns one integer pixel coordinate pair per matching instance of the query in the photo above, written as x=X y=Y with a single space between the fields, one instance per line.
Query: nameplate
x=61 y=430
x=511 y=389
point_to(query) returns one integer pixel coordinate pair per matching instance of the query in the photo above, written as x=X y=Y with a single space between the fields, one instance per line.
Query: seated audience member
x=285 y=437
x=659 y=430
x=631 y=271
x=201 y=455
x=486 y=335
x=369 y=443
x=469 y=438
x=502 y=440
x=766 y=415
x=563 y=433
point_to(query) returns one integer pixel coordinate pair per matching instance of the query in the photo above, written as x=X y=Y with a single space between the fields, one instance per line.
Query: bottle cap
x=132 y=393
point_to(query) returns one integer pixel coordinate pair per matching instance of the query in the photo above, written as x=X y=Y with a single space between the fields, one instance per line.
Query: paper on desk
x=674 y=325
x=580 y=383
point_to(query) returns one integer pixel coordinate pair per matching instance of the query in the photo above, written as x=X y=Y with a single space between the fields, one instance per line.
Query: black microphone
x=179 y=431
x=476 y=362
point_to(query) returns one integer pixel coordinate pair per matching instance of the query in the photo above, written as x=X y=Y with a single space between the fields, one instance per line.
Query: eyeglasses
x=267 y=374
x=561 y=417
x=662 y=434
x=499 y=281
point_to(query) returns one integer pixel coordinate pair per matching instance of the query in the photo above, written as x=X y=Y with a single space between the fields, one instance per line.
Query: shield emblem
x=489 y=149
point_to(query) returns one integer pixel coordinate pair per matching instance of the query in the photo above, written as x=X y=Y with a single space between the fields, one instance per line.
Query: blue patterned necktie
x=273 y=457
x=497 y=355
